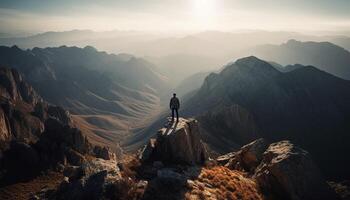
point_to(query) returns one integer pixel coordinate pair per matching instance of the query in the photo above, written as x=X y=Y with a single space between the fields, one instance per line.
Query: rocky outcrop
x=17 y=102
x=249 y=156
x=289 y=172
x=33 y=132
x=282 y=170
x=103 y=152
x=177 y=142
x=61 y=140
x=91 y=180
x=12 y=86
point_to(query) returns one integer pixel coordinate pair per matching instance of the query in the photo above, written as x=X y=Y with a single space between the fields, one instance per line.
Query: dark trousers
x=172 y=114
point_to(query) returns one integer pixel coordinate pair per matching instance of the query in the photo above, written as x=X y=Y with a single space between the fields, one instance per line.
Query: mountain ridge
x=299 y=105
x=323 y=55
x=98 y=88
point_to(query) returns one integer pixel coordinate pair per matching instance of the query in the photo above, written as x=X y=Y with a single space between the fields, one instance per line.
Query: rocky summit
x=281 y=169
x=177 y=142
x=175 y=165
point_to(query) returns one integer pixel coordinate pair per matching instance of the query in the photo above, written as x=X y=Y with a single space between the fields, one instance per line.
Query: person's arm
x=178 y=103
x=170 y=103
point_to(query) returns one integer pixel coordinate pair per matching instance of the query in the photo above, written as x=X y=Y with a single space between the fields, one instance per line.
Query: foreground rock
x=91 y=180
x=282 y=170
x=289 y=172
x=248 y=157
x=177 y=142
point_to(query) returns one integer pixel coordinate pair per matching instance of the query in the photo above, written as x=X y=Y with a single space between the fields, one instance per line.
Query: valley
x=116 y=103
x=174 y=100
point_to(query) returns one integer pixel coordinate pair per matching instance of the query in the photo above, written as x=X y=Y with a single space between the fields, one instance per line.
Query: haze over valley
x=263 y=89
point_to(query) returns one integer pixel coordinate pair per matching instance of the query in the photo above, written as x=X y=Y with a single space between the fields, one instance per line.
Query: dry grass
x=222 y=183
x=24 y=190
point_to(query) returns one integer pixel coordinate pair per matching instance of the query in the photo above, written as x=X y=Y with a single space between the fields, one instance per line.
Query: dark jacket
x=174 y=103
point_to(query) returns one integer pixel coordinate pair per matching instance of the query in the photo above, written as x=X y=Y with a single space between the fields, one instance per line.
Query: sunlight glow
x=205 y=11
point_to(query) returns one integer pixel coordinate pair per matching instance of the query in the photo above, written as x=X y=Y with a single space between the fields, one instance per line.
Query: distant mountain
x=324 y=55
x=179 y=67
x=177 y=55
x=76 y=38
x=250 y=99
x=191 y=83
x=342 y=41
x=287 y=68
x=108 y=94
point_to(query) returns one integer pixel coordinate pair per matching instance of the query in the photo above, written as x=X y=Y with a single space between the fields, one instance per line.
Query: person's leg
x=172 y=114
x=177 y=115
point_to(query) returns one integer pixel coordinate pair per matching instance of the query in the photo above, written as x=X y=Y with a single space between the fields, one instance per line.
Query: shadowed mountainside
x=177 y=55
x=253 y=99
x=108 y=94
x=34 y=135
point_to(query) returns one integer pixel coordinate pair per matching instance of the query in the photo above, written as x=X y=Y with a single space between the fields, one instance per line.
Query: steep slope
x=305 y=105
x=40 y=144
x=324 y=55
x=34 y=134
x=108 y=94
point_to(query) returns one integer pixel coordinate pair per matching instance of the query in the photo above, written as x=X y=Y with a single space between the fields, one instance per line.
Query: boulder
x=89 y=181
x=224 y=159
x=73 y=172
x=60 y=141
x=178 y=142
x=104 y=153
x=249 y=156
x=147 y=151
x=288 y=172
x=60 y=114
x=74 y=157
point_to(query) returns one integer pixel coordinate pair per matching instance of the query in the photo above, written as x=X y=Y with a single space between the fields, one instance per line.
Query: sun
x=204 y=9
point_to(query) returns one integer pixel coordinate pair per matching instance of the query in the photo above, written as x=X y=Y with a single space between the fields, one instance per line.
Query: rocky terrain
x=259 y=170
x=36 y=136
x=45 y=152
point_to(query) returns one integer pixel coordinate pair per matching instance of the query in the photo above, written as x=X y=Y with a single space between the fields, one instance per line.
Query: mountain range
x=107 y=94
x=324 y=55
x=250 y=99
x=176 y=55
x=117 y=98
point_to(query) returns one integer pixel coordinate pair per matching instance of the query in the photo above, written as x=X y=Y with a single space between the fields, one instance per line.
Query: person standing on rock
x=174 y=106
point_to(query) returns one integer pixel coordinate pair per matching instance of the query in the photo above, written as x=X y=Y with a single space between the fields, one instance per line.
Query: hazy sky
x=174 y=15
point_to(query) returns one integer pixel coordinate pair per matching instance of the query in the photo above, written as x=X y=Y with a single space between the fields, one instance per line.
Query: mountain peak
x=90 y=48
x=292 y=41
x=251 y=65
x=177 y=142
x=250 y=61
